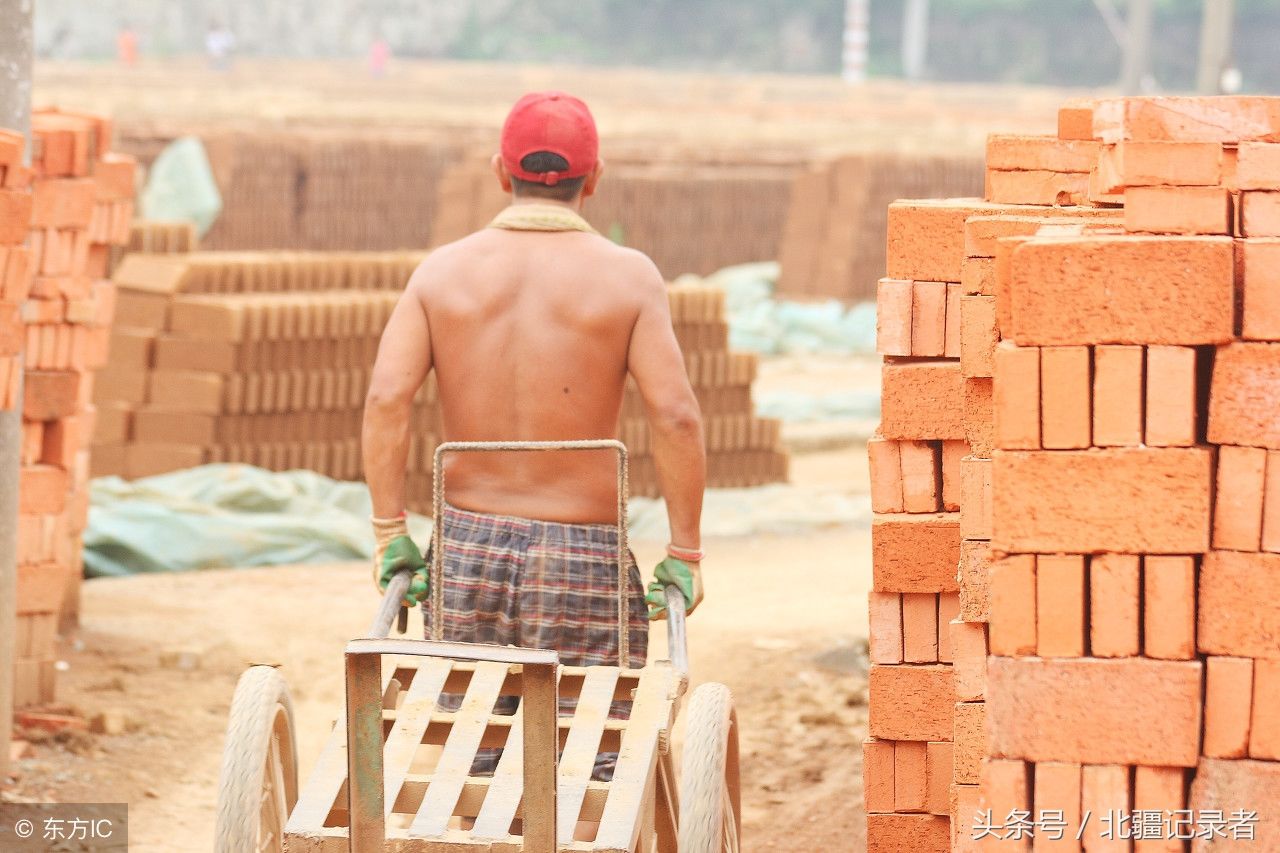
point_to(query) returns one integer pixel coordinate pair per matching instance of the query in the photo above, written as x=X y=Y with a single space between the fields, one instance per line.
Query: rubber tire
x=710 y=809
x=260 y=709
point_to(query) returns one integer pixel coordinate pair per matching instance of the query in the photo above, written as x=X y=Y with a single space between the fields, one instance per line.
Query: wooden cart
x=396 y=773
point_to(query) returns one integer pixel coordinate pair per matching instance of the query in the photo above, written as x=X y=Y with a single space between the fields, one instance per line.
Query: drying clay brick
x=1171 y=397
x=920 y=627
x=1264 y=723
x=1017 y=397
x=1159 y=789
x=928 y=318
x=910 y=702
x=1228 y=697
x=948 y=608
x=922 y=400
x=952 y=453
x=979 y=416
x=1243 y=395
x=885 y=461
x=1260 y=214
x=907 y=833
x=978 y=335
x=970 y=739
x=969 y=659
x=885 y=627
x=1121 y=290
x=1013 y=605
x=1169 y=607
x=1271 y=504
x=1117 y=396
x=1057 y=788
x=1090 y=710
x=1065 y=418
x=1237 y=614
x=1237 y=511
x=893 y=317
x=1060 y=605
x=1178 y=210
x=1123 y=500
x=1075 y=119
x=1114 y=605
x=909 y=781
x=1172 y=164
x=952 y=345
x=1260 y=286
x=915 y=552
x=877 y=775
x=1011 y=152
x=975 y=562
x=1258 y=166
x=975 y=501
x=921 y=476
x=1221 y=785
x=938 y=773
x=1037 y=187
x=1104 y=796
x=1006 y=789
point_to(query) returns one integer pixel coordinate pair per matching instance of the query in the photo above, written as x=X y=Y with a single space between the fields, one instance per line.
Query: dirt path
x=784 y=625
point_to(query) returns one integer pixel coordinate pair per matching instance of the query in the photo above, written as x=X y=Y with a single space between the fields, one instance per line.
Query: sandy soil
x=783 y=625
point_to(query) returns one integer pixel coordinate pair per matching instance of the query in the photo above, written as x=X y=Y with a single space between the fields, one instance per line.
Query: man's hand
x=394 y=551
x=687 y=577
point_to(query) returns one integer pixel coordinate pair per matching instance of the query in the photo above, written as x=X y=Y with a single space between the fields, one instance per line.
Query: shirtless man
x=532 y=326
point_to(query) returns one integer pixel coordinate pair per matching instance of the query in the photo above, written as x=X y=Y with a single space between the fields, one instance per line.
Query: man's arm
x=404 y=359
x=675 y=421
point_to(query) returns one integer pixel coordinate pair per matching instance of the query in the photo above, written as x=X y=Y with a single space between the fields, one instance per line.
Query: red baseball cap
x=554 y=122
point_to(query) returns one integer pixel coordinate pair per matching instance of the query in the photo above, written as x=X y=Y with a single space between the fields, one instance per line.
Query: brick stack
x=158 y=238
x=56 y=310
x=1130 y=495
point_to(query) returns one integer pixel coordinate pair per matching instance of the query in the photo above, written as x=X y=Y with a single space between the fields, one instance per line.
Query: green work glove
x=687 y=578
x=395 y=551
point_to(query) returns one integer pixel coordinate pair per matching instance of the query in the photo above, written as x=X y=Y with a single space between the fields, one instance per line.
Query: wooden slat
x=623 y=817
x=579 y=756
x=495 y=733
x=570 y=682
x=451 y=773
x=411 y=724
x=506 y=787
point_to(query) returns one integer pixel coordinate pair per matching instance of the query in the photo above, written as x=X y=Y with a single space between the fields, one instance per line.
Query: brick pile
x=156 y=237
x=263 y=358
x=70 y=207
x=1114 y=651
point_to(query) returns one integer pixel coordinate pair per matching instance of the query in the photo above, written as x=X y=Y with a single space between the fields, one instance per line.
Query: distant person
x=219 y=42
x=379 y=55
x=127 y=46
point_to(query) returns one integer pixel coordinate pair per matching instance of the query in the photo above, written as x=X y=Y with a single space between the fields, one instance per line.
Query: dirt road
x=784 y=625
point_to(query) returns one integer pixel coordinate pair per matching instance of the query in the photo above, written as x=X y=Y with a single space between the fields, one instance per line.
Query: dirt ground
x=784 y=625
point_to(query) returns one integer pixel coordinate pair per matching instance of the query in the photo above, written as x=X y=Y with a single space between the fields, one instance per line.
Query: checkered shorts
x=542 y=585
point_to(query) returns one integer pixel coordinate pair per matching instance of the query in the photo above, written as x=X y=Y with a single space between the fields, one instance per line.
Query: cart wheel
x=258 y=785
x=710 y=814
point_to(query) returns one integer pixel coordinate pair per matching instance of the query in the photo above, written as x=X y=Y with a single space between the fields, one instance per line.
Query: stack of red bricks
x=1118 y=387
x=78 y=199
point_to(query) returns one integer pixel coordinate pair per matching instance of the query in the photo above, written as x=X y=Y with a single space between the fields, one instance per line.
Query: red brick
x=979 y=416
x=938 y=772
x=1171 y=397
x=13 y=332
x=1047 y=153
x=1106 y=181
x=1258 y=166
x=915 y=552
x=1223 y=786
x=922 y=400
x=1041 y=187
x=1228 y=697
x=1122 y=290
x=1064 y=398
x=1225 y=121
x=1264 y=722
x=981 y=233
x=1013 y=605
x=952 y=344
x=1125 y=500
x=1117 y=396
x=1237 y=511
x=63 y=439
x=977 y=335
x=1006 y=789
x=920 y=627
x=969 y=659
x=926 y=237
x=978 y=276
x=50 y=394
x=928 y=318
x=1180 y=164
x=1057 y=788
x=1260 y=214
x=1159 y=789
x=885 y=461
x=1089 y=710
x=1178 y=210
x=62 y=203
x=1105 y=796
x=1260 y=286
x=970 y=739
x=15 y=215
x=952 y=453
x=909 y=783
x=907 y=833
x=921 y=476
x=1060 y=605
x=877 y=775
x=1169 y=607
x=42 y=490
x=1271 y=504
x=1114 y=605
x=893 y=317
x=885 y=621
x=1243 y=395
x=1075 y=119
x=910 y=702
x=948 y=608
x=975 y=562
x=965 y=808
x=975 y=503
x=1237 y=614
x=1017 y=397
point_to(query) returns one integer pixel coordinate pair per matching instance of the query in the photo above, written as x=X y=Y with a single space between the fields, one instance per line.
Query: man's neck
x=574 y=206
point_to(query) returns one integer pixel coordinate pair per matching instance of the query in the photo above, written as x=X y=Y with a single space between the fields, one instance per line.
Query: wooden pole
x=16 y=48
x=1215 y=45
x=915 y=39
x=1137 y=47
x=855 y=41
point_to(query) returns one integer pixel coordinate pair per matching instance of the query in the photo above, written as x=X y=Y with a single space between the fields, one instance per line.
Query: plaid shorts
x=542 y=585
